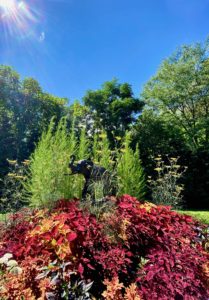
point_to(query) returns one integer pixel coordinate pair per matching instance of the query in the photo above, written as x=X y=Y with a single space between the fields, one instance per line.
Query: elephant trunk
x=71 y=164
x=72 y=159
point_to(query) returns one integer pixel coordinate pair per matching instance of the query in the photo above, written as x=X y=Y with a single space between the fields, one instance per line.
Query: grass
x=202 y=216
x=3 y=217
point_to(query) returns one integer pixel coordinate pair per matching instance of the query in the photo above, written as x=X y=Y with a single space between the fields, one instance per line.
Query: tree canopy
x=25 y=110
x=180 y=90
x=113 y=106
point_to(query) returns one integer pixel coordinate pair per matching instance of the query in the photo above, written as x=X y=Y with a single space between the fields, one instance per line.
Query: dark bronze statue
x=92 y=173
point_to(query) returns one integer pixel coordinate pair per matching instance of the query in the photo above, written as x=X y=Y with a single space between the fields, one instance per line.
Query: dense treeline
x=176 y=121
x=170 y=118
x=25 y=110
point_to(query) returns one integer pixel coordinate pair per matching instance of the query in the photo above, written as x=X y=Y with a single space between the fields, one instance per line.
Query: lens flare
x=7 y=5
x=17 y=17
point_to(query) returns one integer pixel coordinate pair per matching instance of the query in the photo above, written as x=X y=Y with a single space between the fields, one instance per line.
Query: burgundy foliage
x=149 y=245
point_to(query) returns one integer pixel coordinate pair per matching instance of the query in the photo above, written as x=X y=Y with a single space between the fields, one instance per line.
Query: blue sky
x=71 y=46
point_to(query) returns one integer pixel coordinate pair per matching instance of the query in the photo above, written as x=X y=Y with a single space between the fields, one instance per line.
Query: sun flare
x=17 y=17
x=8 y=5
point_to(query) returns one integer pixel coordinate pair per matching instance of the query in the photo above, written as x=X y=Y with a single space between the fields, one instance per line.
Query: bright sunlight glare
x=17 y=17
x=8 y=5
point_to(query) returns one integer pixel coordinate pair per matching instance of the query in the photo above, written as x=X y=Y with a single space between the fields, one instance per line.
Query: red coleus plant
x=169 y=242
x=150 y=249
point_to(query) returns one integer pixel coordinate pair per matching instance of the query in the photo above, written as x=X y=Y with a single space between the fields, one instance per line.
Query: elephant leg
x=88 y=190
x=113 y=190
x=85 y=190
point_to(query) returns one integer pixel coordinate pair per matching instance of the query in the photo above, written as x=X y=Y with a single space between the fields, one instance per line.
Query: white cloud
x=42 y=37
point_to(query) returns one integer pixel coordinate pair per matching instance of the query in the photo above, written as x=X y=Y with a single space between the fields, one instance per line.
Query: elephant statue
x=92 y=173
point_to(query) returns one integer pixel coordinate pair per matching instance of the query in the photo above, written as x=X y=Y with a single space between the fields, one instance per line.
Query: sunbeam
x=7 y=5
x=17 y=17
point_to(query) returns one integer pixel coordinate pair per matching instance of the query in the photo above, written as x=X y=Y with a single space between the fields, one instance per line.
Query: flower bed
x=138 y=251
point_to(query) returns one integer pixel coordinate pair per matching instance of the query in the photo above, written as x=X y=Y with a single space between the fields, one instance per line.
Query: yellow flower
x=111 y=161
x=53 y=242
x=26 y=162
x=20 y=177
x=11 y=175
x=118 y=138
x=179 y=188
x=11 y=162
x=102 y=135
x=158 y=169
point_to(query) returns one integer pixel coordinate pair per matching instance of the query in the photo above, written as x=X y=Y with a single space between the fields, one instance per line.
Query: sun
x=8 y=5
x=17 y=17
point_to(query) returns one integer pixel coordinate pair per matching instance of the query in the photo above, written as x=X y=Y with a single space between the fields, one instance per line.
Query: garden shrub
x=140 y=251
x=166 y=188
x=47 y=181
x=129 y=170
x=11 y=195
x=103 y=156
x=82 y=153
x=48 y=178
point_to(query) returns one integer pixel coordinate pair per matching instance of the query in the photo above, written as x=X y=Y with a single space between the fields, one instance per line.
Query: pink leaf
x=80 y=269
x=71 y=236
x=125 y=205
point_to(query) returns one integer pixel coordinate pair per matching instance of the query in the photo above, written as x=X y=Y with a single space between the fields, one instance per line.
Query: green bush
x=166 y=189
x=82 y=153
x=11 y=196
x=49 y=163
x=102 y=156
x=129 y=170
x=47 y=179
